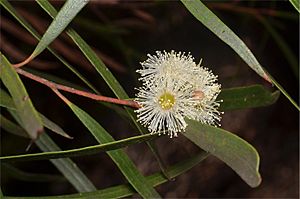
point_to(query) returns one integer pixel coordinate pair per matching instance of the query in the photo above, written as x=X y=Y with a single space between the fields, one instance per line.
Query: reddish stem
x=55 y=86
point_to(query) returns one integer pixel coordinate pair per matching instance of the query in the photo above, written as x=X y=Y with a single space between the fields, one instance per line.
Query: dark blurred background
x=122 y=33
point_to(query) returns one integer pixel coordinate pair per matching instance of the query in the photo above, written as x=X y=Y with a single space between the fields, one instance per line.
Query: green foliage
x=100 y=67
x=226 y=146
x=231 y=149
x=53 y=127
x=121 y=191
x=70 y=9
x=247 y=97
x=29 y=177
x=296 y=4
x=214 y=24
x=34 y=33
x=66 y=166
x=11 y=127
x=90 y=54
x=7 y=102
x=120 y=158
x=29 y=117
x=233 y=98
x=282 y=44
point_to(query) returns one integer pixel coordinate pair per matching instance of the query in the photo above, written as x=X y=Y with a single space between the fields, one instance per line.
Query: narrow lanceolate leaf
x=296 y=4
x=214 y=24
x=73 y=152
x=246 y=97
x=28 y=115
x=69 y=10
x=122 y=191
x=54 y=127
x=126 y=166
x=6 y=101
x=29 y=177
x=231 y=149
x=11 y=127
x=65 y=165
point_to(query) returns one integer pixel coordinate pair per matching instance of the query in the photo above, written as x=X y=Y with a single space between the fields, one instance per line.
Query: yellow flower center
x=166 y=101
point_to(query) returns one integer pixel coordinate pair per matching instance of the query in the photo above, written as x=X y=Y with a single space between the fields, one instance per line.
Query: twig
x=17 y=54
x=55 y=87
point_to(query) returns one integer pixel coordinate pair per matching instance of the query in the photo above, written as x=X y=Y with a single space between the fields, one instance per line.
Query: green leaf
x=246 y=97
x=77 y=152
x=234 y=151
x=27 y=176
x=6 y=100
x=122 y=191
x=11 y=127
x=34 y=33
x=214 y=24
x=54 y=127
x=65 y=165
x=126 y=166
x=296 y=5
x=69 y=10
x=28 y=115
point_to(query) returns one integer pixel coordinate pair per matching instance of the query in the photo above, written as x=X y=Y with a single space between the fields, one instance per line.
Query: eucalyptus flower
x=174 y=88
x=167 y=65
x=164 y=106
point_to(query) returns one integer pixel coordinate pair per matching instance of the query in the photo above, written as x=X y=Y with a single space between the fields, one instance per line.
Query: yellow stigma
x=166 y=101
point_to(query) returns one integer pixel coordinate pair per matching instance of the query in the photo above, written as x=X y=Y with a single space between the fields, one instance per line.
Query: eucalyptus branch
x=55 y=86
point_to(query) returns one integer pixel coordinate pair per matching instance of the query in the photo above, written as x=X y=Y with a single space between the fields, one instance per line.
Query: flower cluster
x=174 y=88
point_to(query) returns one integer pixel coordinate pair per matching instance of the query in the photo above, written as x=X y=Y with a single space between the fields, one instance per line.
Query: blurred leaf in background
x=109 y=39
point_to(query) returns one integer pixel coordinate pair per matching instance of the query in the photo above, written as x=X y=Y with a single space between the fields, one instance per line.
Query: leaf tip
x=275 y=95
x=69 y=137
x=256 y=182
